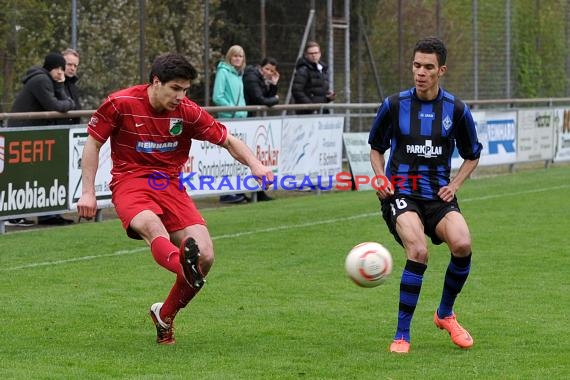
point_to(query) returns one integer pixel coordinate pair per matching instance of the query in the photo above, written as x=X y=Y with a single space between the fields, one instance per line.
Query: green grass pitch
x=278 y=305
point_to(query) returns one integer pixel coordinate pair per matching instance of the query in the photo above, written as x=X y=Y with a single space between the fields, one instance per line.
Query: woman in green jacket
x=228 y=85
x=228 y=91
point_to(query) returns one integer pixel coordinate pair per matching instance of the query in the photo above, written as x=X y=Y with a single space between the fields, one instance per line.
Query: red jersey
x=143 y=140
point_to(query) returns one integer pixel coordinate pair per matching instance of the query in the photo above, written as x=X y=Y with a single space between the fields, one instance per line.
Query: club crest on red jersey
x=175 y=127
x=93 y=121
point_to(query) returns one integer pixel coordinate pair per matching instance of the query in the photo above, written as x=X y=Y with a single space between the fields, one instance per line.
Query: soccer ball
x=368 y=264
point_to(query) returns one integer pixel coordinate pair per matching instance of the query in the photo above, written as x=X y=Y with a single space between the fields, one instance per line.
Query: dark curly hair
x=430 y=45
x=171 y=66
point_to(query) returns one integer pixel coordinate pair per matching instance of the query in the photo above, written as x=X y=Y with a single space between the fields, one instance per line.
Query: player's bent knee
x=417 y=253
x=461 y=248
x=206 y=258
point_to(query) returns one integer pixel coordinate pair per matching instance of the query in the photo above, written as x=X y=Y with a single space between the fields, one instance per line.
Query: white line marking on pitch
x=270 y=229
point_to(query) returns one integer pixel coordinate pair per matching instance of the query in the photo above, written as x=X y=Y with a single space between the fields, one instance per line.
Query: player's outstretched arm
x=87 y=204
x=243 y=154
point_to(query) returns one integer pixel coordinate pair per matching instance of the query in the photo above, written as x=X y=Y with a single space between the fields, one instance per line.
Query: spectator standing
x=260 y=88
x=311 y=81
x=43 y=91
x=228 y=84
x=228 y=92
x=71 y=64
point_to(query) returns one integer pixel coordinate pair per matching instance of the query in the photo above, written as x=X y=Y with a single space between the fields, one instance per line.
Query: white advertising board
x=311 y=148
x=497 y=133
x=358 y=155
x=77 y=139
x=535 y=135
x=212 y=170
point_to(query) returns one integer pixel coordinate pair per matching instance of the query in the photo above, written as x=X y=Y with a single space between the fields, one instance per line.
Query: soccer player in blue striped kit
x=422 y=126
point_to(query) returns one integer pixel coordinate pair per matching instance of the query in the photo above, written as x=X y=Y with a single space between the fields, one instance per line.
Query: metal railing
x=337 y=108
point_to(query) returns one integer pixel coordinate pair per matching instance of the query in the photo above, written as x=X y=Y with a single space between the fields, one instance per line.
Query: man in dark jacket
x=311 y=81
x=71 y=63
x=43 y=91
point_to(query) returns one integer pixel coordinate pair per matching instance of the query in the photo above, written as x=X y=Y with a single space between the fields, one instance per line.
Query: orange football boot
x=400 y=346
x=458 y=334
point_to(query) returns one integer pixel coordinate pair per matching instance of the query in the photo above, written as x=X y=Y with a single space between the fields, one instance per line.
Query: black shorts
x=430 y=213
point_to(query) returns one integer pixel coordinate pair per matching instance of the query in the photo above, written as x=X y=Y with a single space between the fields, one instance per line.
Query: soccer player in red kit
x=151 y=128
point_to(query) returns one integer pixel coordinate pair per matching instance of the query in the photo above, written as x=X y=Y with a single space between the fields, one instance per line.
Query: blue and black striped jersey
x=421 y=136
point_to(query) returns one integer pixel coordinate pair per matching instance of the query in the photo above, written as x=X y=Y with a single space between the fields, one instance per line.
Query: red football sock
x=179 y=296
x=166 y=254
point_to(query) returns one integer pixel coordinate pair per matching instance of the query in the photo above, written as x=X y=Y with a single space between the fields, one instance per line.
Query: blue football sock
x=455 y=277
x=410 y=286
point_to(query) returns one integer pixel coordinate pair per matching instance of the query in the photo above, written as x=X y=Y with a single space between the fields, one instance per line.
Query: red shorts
x=173 y=205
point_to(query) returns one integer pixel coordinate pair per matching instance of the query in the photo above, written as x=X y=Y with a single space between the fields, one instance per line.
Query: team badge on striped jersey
x=447 y=122
x=175 y=127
